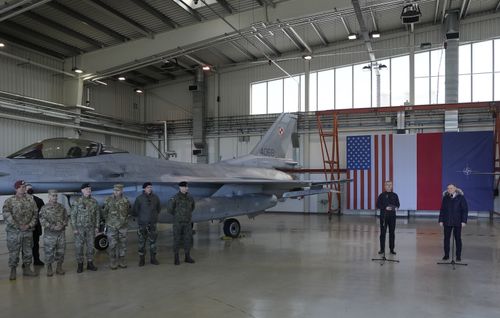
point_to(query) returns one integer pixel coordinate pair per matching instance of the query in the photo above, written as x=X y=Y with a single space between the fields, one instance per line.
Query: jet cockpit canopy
x=64 y=148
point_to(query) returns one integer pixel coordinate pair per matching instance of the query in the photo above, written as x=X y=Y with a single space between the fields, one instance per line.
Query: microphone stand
x=452 y=262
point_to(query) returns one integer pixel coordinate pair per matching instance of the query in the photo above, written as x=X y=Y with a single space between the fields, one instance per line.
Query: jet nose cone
x=4 y=171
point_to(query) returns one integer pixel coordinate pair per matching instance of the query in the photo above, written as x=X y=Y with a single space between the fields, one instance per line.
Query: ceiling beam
x=242 y=50
x=443 y=13
x=196 y=60
x=436 y=10
x=375 y=26
x=319 y=33
x=292 y=39
x=185 y=67
x=101 y=5
x=31 y=46
x=88 y=21
x=43 y=37
x=267 y=44
x=467 y=8
x=22 y=10
x=162 y=73
x=64 y=29
x=218 y=52
x=498 y=6
x=364 y=30
x=11 y=6
x=146 y=7
x=226 y=6
x=192 y=12
x=301 y=40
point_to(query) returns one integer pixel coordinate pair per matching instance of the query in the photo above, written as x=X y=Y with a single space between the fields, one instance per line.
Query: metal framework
x=329 y=140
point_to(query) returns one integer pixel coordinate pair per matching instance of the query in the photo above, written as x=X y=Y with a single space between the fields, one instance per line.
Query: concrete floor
x=286 y=265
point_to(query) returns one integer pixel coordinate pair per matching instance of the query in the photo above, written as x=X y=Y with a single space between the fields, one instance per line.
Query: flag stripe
x=383 y=162
x=405 y=170
x=355 y=199
x=376 y=165
x=391 y=172
x=429 y=166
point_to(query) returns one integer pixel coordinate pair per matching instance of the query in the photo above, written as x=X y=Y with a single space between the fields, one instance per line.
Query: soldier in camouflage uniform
x=146 y=209
x=20 y=213
x=115 y=213
x=181 y=206
x=54 y=219
x=85 y=213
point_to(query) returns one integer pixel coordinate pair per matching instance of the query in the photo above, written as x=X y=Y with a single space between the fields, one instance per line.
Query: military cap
x=19 y=183
x=146 y=184
x=52 y=191
x=183 y=184
x=85 y=185
x=118 y=187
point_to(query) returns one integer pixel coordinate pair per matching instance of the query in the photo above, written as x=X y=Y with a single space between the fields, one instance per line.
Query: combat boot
x=188 y=259
x=122 y=263
x=80 y=268
x=154 y=261
x=176 y=259
x=91 y=267
x=141 y=260
x=113 y=264
x=27 y=271
x=60 y=270
x=50 y=272
x=12 y=273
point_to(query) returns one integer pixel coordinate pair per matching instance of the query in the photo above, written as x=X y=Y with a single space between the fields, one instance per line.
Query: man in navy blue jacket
x=453 y=216
x=388 y=203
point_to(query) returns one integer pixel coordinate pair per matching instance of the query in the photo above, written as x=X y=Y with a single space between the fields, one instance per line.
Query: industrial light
x=382 y=66
x=2 y=44
x=122 y=78
x=425 y=45
x=367 y=68
x=138 y=91
x=352 y=36
x=77 y=70
x=205 y=67
x=307 y=57
x=411 y=13
x=375 y=35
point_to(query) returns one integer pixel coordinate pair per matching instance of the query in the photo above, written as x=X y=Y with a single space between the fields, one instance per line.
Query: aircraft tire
x=232 y=228
x=101 y=242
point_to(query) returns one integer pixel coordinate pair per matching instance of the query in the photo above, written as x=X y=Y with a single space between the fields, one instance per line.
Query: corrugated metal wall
x=116 y=99
x=169 y=102
x=18 y=134
x=28 y=80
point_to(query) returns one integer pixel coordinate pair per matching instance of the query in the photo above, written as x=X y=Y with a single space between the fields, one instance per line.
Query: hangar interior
x=202 y=81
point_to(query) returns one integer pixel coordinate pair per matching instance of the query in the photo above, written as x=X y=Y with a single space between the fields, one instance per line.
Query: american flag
x=369 y=164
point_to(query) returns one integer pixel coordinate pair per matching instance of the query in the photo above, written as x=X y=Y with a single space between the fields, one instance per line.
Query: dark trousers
x=457 y=233
x=36 y=239
x=387 y=220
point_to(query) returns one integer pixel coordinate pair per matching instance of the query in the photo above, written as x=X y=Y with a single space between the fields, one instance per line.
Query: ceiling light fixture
x=138 y=91
x=206 y=67
x=2 y=44
x=367 y=68
x=307 y=57
x=121 y=78
x=375 y=35
x=352 y=36
x=77 y=70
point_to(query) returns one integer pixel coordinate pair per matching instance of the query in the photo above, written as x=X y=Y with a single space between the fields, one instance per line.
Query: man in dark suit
x=452 y=217
x=37 y=232
x=388 y=203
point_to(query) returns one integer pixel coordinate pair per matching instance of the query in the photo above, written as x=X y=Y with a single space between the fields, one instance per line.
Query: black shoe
x=141 y=260
x=176 y=259
x=381 y=252
x=154 y=261
x=393 y=252
x=38 y=262
x=188 y=259
x=446 y=257
x=459 y=259
x=80 y=268
x=91 y=267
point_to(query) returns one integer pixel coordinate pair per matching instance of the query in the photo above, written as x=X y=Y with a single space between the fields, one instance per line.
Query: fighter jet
x=242 y=186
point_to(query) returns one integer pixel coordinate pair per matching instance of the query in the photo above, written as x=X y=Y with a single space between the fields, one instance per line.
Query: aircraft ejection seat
x=74 y=152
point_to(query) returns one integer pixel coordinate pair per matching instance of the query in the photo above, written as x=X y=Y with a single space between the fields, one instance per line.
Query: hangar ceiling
x=80 y=31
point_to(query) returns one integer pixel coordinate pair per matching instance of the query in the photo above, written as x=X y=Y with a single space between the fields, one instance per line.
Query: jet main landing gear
x=232 y=228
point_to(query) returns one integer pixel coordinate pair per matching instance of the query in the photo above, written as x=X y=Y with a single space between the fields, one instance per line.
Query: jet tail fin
x=278 y=138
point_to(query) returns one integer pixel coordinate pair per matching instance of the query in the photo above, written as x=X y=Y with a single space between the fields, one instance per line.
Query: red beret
x=19 y=183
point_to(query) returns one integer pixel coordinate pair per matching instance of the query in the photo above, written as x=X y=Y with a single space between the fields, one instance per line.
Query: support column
x=199 y=141
x=307 y=135
x=411 y=43
x=451 y=73
x=73 y=93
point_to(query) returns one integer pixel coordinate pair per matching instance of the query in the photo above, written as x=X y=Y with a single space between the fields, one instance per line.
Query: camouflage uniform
x=181 y=206
x=85 y=214
x=115 y=212
x=18 y=211
x=54 y=219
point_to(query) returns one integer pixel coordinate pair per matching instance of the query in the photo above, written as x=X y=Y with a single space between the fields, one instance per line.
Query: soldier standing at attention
x=115 y=213
x=54 y=219
x=146 y=209
x=37 y=232
x=19 y=213
x=181 y=206
x=85 y=214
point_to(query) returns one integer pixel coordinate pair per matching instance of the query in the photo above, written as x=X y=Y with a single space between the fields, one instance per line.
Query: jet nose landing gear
x=232 y=228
